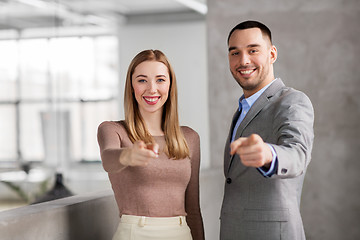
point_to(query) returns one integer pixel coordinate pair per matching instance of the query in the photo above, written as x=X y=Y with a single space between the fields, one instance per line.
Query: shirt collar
x=252 y=99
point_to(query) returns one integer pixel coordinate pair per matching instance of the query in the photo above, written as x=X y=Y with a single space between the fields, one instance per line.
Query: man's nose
x=244 y=59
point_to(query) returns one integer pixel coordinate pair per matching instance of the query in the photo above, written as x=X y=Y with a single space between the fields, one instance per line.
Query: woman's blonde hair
x=176 y=146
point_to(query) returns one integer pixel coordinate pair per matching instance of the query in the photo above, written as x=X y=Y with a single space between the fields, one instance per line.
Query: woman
x=152 y=162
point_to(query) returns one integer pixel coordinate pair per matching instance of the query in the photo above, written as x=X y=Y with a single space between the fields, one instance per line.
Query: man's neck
x=248 y=94
x=261 y=86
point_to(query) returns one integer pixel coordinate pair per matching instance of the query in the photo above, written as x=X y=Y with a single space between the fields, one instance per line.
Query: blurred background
x=62 y=71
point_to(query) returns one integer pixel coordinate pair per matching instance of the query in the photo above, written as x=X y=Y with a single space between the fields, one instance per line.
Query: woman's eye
x=161 y=80
x=141 y=80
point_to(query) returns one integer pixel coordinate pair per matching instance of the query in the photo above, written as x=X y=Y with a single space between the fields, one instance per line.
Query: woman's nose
x=152 y=87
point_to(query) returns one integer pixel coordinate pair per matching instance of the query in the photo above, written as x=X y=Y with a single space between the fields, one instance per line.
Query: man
x=269 y=144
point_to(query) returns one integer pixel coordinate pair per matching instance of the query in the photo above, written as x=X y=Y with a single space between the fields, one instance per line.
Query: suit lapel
x=260 y=103
x=227 y=155
x=254 y=110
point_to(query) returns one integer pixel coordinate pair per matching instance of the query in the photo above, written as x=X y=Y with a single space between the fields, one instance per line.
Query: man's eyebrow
x=253 y=45
x=248 y=46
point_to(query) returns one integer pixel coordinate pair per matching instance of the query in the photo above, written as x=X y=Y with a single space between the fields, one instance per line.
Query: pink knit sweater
x=164 y=188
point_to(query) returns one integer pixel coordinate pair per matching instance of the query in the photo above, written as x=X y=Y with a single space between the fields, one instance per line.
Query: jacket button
x=228 y=180
x=283 y=170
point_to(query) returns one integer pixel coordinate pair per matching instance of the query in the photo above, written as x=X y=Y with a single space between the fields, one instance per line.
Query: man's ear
x=273 y=54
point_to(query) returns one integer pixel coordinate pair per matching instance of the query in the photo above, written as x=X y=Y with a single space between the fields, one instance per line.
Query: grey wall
x=318 y=53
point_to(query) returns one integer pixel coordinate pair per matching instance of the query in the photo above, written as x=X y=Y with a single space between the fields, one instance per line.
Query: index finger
x=153 y=147
x=253 y=139
x=236 y=144
x=139 y=144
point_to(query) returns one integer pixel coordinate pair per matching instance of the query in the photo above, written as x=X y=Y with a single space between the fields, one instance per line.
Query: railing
x=90 y=216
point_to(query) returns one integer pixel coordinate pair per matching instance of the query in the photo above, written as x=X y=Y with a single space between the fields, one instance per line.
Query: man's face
x=251 y=58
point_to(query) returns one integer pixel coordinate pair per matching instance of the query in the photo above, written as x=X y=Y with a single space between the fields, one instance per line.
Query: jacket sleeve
x=294 y=134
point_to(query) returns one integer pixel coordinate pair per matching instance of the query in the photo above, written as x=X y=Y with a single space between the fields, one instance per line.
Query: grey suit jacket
x=255 y=207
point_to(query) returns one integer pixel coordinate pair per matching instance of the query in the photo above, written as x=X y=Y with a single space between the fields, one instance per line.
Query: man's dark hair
x=251 y=24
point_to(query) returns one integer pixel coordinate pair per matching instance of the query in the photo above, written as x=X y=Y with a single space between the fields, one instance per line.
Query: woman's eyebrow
x=141 y=75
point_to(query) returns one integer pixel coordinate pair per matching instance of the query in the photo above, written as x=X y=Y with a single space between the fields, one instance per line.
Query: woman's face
x=151 y=84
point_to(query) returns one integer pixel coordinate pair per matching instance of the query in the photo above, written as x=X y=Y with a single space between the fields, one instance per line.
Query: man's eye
x=253 y=51
x=234 y=53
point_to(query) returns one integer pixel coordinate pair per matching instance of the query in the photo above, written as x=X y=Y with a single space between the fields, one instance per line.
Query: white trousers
x=152 y=228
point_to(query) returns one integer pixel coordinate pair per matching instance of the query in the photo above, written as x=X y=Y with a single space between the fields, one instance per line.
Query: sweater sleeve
x=192 y=201
x=110 y=146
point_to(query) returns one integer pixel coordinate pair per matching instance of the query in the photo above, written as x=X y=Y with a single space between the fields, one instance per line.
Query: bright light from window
x=74 y=75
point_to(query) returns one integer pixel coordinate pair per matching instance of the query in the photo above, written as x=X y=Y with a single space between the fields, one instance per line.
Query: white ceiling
x=25 y=14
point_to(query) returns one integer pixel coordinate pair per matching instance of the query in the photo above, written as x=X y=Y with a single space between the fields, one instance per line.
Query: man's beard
x=245 y=84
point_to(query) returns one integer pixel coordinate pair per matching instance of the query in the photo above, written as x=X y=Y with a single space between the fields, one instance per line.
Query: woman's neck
x=153 y=123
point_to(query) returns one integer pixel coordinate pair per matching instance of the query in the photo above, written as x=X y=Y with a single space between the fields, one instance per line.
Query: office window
x=8 y=132
x=33 y=69
x=8 y=70
x=53 y=94
x=8 y=95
